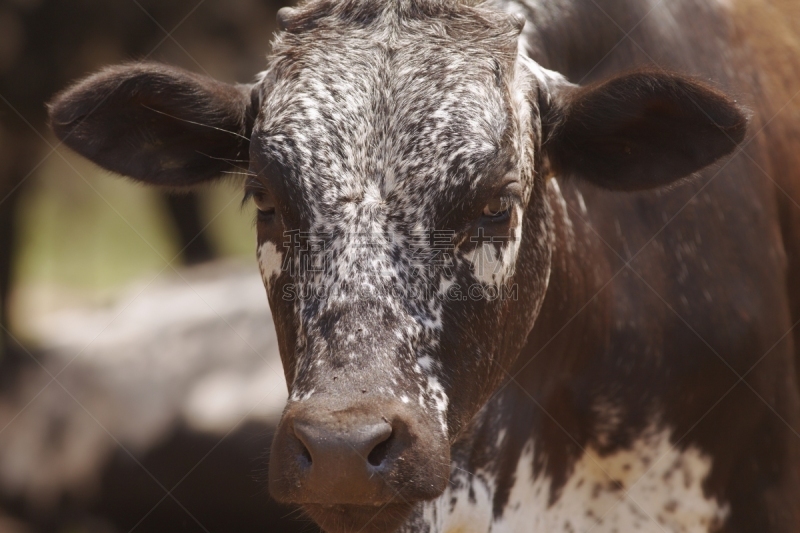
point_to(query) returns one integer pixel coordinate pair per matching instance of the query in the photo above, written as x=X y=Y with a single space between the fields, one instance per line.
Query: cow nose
x=351 y=450
x=342 y=457
x=334 y=452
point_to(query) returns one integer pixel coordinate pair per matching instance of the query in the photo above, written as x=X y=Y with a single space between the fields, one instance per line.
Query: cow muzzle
x=353 y=460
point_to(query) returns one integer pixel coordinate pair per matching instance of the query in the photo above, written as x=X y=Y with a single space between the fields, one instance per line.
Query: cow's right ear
x=155 y=123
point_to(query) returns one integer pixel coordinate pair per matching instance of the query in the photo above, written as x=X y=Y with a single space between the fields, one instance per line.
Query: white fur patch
x=269 y=262
x=493 y=265
x=651 y=488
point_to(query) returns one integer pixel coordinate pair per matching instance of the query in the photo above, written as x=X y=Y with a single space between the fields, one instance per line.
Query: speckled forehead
x=359 y=112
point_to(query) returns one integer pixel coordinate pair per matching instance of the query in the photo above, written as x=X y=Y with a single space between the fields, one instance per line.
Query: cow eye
x=264 y=203
x=498 y=209
x=257 y=190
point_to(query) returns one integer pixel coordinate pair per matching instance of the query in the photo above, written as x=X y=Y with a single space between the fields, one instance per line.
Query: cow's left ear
x=156 y=123
x=637 y=131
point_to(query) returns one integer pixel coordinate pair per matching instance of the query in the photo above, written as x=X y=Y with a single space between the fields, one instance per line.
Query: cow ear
x=639 y=130
x=155 y=123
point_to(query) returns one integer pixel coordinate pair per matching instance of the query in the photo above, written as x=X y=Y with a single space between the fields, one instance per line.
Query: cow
x=532 y=265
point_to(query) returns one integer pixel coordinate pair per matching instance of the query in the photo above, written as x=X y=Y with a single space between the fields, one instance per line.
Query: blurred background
x=139 y=374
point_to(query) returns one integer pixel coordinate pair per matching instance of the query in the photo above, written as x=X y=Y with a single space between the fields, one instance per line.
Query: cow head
x=398 y=154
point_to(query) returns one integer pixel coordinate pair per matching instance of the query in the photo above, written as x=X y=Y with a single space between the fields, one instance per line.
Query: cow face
x=392 y=171
x=392 y=166
x=398 y=161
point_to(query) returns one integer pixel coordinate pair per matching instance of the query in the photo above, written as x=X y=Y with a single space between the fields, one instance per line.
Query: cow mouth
x=382 y=518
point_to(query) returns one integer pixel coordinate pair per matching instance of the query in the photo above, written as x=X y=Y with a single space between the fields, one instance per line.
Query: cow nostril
x=380 y=451
x=306 y=455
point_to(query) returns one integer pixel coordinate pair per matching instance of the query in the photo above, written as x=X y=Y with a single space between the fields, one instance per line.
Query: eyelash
x=506 y=203
x=248 y=195
x=251 y=187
